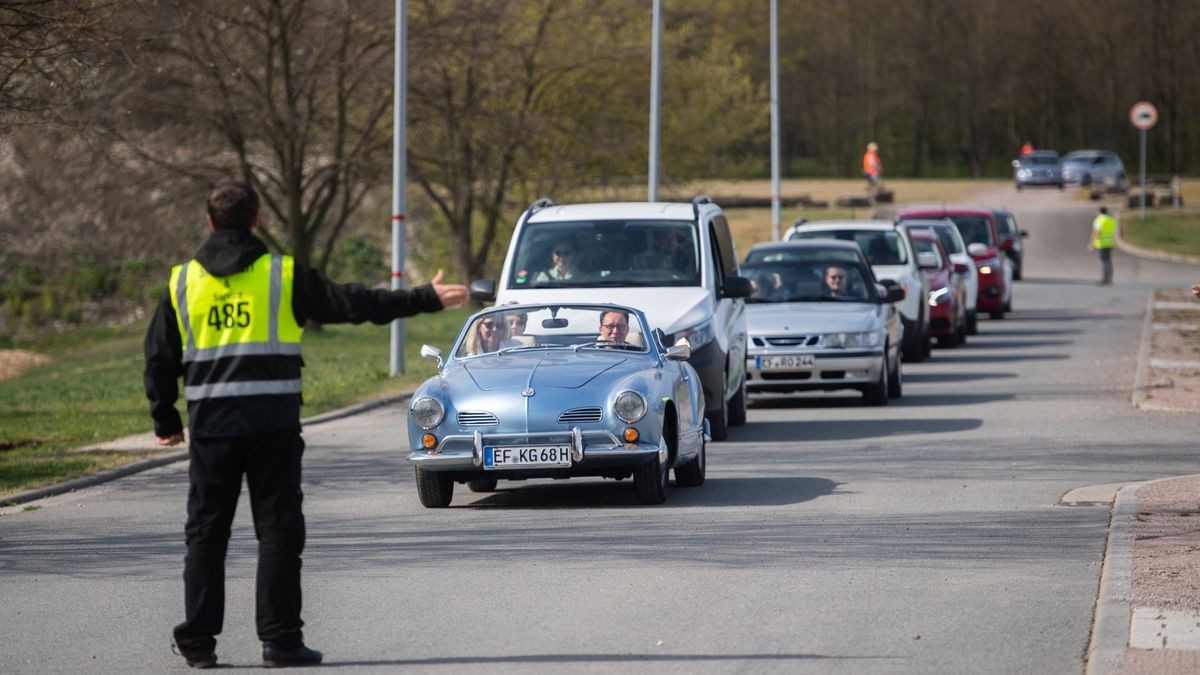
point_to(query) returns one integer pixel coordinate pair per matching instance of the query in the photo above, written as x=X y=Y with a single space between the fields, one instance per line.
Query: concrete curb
x=1138 y=398
x=1140 y=252
x=1110 y=629
x=162 y=460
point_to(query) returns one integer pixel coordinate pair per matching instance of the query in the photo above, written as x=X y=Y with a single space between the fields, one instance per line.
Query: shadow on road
x=847 y=399
x=921 y=377
x=552 y=659
x=848 y=430
x=588 y=493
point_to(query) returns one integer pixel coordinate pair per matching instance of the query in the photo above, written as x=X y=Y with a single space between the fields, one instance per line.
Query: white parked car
x=674 y=261
x=890 y=254
x=819 y=321
x=953 y=242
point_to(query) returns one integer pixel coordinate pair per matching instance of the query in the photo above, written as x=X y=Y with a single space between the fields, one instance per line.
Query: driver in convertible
x=614 y=327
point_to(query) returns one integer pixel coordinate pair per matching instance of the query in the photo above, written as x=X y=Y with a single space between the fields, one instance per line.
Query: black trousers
x=271 y=465
x=1106 y=269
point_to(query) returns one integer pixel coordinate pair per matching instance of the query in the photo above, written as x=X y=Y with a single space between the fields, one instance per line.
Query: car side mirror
x=680 y=351
x=737 y=287
x=1016 y=164
x=961 y=268
x=431 y=353
x=893 y=294
x=1024 y=233
x=926 y=260
x=483 y=290
x=977 y=249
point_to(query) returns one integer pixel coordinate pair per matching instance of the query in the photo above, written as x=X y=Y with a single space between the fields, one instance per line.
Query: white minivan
x=674 y=261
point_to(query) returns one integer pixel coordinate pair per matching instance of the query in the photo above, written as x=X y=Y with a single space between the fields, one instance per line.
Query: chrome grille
x=793 y=340
x=581 y=415
x=477 y=419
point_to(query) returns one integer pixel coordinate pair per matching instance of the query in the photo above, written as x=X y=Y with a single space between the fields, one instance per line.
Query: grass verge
x=92 y=392
x=1170 y=231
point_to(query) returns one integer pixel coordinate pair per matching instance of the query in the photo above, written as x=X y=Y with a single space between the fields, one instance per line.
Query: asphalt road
x=922 y=537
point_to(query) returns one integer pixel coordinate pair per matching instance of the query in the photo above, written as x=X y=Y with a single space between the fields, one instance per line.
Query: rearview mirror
x=927 y=260
x=554 y=322
x=483 y=290
x=431 y=353
x=680 y=351
x=977 y=250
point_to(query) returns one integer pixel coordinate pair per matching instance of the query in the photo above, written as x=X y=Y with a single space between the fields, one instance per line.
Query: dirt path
x=13 y=362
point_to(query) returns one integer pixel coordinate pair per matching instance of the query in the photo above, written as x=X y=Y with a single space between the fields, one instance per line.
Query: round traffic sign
x=1143 y=115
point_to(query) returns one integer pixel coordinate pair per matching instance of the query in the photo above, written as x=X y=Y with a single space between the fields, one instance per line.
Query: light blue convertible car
x=558 y=391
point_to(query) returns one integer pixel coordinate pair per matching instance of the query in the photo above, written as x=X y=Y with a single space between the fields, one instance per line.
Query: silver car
x=558 y=391
x=1101 y=167
x=818 y=320
x=1040 y=167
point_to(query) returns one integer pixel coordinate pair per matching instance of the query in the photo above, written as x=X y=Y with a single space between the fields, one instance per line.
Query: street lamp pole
x=399 y=175
x=775 y=171
x=655 y=67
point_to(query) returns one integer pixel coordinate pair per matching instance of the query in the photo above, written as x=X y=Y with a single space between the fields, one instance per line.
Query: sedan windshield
x=580 y=254
x=832 y=280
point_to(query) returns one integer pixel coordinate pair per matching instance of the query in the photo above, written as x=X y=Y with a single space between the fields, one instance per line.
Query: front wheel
x=896 y=380
x=435 y=489
x=692 y=473
x=650 y=481
x=973 y=323
x=877 y=394
x=737 y=407
x=718 y=421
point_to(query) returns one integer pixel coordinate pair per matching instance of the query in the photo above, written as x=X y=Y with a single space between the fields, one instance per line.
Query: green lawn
x=1164 y=230
x=92 y=391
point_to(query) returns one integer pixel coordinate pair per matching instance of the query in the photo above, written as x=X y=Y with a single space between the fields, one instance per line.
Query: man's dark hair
x=232 y=205
x=1103 y=209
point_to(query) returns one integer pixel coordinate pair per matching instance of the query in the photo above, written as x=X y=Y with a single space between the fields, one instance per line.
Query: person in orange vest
x=872 y=167
x=1027 y=148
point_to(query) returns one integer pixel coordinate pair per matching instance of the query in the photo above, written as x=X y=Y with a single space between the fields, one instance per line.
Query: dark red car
x=977 y=224
x=947 y=288
x=1010 y=240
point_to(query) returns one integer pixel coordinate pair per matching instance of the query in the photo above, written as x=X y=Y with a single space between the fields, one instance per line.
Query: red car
x=977 y=224
x=947 y=288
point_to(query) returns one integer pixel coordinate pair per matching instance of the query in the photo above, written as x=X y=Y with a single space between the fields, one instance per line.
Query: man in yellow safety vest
x=1103 y=239
x=230 y=325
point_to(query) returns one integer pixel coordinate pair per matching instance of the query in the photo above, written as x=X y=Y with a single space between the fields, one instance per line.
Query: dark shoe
x=274 y=657
x=197 y=659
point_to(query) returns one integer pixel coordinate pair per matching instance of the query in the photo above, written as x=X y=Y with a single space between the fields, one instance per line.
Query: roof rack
x=539 y=204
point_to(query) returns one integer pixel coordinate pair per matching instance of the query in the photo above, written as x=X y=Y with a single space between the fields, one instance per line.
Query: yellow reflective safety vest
x=240 y=336
x=1104 y=231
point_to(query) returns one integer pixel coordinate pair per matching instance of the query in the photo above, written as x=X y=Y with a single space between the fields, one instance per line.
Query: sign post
x=1143 y=115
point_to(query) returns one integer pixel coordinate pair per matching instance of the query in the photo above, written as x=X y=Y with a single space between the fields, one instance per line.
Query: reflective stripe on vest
x=248 y=313
x=1105 y=227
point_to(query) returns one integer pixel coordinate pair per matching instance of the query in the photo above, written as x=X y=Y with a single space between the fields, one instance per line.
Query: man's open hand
x=451 y=295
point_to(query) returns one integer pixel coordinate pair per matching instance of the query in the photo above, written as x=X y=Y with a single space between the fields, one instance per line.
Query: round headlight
x=629 y=406
x=426 y=412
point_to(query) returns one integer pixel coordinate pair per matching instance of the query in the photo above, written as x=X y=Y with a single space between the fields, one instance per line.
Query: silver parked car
x=1040 y=167
x=558 y=391
x=1093 y=166
x=818 y=320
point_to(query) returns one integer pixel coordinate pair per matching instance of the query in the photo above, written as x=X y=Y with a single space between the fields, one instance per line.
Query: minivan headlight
x=426 y=412
x=630 y=406
x=697 y=336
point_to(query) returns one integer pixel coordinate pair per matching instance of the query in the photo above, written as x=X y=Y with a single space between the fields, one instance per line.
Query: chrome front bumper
x=831 y=370
x=462 y=452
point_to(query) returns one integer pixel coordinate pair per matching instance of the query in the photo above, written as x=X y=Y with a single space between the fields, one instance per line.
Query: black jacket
x=313 y=297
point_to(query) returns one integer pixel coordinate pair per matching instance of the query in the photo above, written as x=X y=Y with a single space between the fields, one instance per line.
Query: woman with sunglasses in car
x=562 y=258
x=491 y=334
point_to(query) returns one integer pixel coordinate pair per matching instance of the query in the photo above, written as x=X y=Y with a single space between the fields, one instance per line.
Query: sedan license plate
x=526 y=456
x=786 y=362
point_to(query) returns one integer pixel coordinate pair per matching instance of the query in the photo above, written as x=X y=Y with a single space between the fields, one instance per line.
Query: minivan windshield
x=882 y=247
x=581 y=254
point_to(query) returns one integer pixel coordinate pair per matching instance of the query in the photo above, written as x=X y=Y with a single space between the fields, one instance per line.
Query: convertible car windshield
x=579 y=254
x=558 y=326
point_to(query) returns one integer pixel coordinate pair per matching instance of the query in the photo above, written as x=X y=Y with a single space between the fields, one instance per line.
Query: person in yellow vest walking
x=1103 y=239
x=230 y=325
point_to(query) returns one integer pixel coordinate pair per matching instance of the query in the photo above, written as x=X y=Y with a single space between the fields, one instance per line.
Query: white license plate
x=786 y=362
x=525 y=456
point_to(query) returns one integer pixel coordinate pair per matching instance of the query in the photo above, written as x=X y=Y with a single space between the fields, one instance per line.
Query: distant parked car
x=1093 y=166
x=977 y=225
x=819 y=321
x=890 y=254
x=1040 y=167
x=583 y=390
x=947 y=292
x=1010 y=239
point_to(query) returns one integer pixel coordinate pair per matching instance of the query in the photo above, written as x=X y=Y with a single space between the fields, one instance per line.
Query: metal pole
x=655 y=67
x=1142 y=164
x=399 y=175
x=774 y=120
